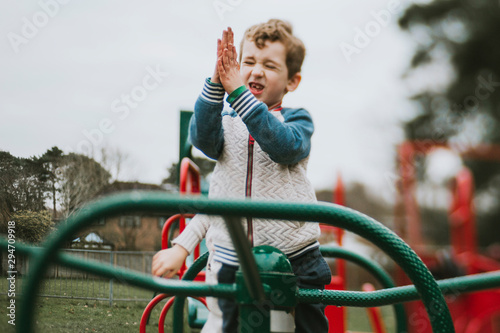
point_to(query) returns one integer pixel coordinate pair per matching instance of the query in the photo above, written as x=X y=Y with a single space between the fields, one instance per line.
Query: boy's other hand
x=168 y=262
x=227 y=37
x=229 y=69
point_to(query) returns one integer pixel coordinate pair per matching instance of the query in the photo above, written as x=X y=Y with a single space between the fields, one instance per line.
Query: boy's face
x=265 y=73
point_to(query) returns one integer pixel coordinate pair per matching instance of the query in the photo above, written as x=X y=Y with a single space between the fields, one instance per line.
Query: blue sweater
x=286 y=142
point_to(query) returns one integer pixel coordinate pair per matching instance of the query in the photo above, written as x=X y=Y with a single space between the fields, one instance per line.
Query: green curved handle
x=334 y=215
x=376 y=270
x=178 y=307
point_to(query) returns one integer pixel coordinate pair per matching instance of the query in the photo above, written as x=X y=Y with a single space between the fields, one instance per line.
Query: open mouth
x=255 y=88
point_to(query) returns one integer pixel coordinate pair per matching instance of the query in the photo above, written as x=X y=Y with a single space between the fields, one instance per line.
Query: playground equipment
x=189 y=184
x=251 y=291
x=477 y=312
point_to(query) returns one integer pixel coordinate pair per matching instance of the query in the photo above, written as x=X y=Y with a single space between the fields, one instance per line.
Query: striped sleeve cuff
x=244 y=103
x=213 y=92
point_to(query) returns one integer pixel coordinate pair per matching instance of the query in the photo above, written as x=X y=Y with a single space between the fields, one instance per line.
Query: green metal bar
x=454 y=286
x=178 y=307
x=246 y=259
x=334 y=215
x=377 y=271
x=145 y=281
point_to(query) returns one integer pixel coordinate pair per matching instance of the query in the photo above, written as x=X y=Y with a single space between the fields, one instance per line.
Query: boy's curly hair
x=281 y=31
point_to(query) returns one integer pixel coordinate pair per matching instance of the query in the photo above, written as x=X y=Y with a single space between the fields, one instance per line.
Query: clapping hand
x=228 y=66
x=227 y=35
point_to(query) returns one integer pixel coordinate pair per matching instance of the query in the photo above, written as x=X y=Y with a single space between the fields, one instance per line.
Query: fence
x=64 y=282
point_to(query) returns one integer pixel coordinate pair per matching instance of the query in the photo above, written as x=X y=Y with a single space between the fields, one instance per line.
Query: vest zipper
x=248 y=185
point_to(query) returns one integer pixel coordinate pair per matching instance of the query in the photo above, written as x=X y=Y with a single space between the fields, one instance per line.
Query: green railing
x=425 y=287
x=376 y=270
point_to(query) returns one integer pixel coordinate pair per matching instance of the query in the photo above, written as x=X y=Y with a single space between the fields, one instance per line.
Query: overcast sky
x=85 y=74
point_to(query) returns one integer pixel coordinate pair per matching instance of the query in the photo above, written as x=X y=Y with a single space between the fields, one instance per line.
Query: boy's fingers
x=161 y=271
x=224 y=39
x=155 y=268
x=225 y=60
x=221 y=67
x=234 y=54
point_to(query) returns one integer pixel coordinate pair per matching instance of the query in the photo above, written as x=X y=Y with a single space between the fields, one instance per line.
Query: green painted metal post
x=178 y=307
x=248 y=265
x=274 y=313
x=184 y=145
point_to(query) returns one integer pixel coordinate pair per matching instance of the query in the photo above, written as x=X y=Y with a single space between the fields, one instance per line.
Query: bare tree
x=83 y=178
x=113 y=159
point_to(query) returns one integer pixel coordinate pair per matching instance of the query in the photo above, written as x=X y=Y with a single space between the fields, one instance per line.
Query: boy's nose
x=257 y=71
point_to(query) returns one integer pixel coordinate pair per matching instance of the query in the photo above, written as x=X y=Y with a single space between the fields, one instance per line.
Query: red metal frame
x=407 y=151
x=189 y=175
x=471 y=312
x=337 y=317
x=189 y=184
x=147 y=311
x=462 y=217
x=167 y=306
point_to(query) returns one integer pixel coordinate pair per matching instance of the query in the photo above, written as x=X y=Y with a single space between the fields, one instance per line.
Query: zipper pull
x=251 y=140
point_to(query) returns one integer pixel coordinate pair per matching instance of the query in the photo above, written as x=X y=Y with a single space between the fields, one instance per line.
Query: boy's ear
x=293 y=82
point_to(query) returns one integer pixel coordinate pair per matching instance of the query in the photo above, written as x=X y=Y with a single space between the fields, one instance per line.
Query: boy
x=262 y=151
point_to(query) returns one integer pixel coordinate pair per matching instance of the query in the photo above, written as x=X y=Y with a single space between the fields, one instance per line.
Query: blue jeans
x=312 y=272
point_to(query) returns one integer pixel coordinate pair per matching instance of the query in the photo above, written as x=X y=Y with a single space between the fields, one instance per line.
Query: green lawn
x=68 y=315
x=63 y=315
x=57 y=315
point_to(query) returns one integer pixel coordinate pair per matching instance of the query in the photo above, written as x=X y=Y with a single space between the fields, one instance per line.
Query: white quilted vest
x=271 y=181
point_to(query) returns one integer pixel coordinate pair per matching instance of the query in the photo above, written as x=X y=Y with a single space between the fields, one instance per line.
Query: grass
x=63 y=315
x=68 y=315
x=58 y=315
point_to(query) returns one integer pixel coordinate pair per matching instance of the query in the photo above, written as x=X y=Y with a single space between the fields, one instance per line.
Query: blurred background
x=91 y=93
